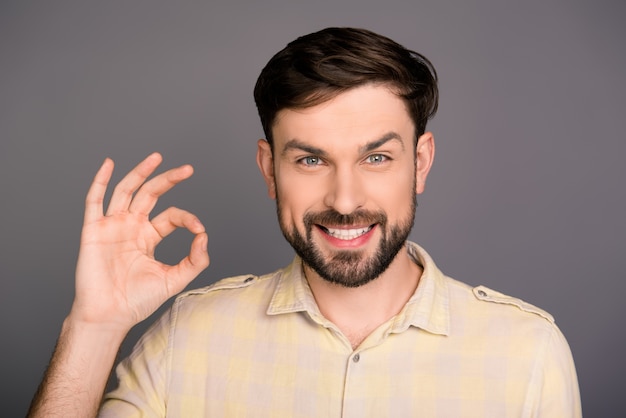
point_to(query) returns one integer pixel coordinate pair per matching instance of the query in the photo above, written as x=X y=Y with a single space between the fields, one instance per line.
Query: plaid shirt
x=253 y=346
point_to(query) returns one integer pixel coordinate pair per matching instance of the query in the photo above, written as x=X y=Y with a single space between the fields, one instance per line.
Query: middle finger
x=146 y=197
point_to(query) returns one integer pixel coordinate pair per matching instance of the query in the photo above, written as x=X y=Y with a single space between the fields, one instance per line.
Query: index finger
x=95 y=195
x=123 y=192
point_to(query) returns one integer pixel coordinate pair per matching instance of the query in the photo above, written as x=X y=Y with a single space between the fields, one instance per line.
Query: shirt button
x=356 y=358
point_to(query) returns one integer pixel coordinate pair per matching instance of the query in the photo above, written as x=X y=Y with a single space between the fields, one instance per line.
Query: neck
x=359 y=311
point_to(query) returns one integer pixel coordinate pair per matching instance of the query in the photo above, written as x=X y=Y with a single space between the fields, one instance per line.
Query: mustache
x=332 y=217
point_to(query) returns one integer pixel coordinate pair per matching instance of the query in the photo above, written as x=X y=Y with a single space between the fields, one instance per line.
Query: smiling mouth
x=346 y=234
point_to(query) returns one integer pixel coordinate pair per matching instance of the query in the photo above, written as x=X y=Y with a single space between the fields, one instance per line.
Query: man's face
x=345 y=176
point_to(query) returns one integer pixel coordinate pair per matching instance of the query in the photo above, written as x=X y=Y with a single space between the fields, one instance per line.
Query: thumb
x=180 y=275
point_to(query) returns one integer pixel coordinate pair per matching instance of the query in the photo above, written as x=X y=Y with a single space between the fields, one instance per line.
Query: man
x=362 y=323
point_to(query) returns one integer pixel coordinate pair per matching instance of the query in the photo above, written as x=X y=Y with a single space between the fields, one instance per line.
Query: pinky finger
x=95 y=196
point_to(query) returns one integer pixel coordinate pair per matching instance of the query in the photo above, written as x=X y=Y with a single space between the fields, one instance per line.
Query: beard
x=349 y=268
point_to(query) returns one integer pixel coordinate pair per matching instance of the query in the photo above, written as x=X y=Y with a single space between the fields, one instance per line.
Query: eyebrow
x=370 y=146
x=299 y=145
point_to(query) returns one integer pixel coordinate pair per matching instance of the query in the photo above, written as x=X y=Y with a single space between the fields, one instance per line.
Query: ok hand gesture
x=118 y=281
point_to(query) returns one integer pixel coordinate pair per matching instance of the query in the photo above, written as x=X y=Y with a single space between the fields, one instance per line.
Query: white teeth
x=347 y=234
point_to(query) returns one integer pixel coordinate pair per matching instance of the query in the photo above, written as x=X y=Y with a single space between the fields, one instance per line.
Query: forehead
x=352 y=118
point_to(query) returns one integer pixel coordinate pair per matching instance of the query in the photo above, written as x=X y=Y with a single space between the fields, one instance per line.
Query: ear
x=265 y=161
x=425 y=153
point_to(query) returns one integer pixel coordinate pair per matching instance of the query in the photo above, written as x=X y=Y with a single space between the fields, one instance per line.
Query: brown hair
x=318 y=67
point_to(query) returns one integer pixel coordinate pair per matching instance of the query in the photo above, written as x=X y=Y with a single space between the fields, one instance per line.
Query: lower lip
x=349 y=243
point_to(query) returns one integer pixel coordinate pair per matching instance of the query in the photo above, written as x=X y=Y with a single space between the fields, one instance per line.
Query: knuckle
x=172 y=210
x=122 y=188
x=91 y=198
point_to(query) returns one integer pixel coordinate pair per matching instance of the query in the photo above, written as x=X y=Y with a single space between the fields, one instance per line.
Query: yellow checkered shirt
x=253 y=346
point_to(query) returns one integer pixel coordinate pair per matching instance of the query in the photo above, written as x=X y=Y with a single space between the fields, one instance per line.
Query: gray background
x=526 y=194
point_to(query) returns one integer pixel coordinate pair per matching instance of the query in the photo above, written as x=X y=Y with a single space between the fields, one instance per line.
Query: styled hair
x=318 y=67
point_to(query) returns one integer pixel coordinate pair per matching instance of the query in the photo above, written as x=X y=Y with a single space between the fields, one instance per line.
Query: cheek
x=296 y=197
x=392 y=187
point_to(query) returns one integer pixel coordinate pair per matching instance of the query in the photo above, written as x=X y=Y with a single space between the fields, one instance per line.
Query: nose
x=345 y=191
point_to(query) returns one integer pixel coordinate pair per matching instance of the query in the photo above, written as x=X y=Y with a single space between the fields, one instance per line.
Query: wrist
x=103 y=334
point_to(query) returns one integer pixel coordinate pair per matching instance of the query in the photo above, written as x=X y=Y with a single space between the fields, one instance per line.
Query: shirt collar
x=428 y=308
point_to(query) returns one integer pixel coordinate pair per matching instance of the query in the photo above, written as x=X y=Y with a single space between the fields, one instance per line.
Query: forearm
x=118 y=283
x=75 y=380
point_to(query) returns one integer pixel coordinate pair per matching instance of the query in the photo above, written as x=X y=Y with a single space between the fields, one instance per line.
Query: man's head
x=344 y=112
x=317 y=67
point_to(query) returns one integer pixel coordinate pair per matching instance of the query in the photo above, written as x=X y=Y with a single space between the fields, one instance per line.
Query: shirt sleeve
x=555 y=391
x=142 y=377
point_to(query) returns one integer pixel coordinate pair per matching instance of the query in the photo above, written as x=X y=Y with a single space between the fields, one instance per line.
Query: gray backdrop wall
x=526 y=195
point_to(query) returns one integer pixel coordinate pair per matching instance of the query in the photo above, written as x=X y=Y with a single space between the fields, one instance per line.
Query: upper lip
x=347 y=227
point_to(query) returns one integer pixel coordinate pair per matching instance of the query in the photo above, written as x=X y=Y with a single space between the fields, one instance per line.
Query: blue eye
x=376 y=158
x=310 y=160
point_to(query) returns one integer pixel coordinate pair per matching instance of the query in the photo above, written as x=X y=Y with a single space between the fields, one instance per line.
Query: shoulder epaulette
x=488 y=295
x=235 y=282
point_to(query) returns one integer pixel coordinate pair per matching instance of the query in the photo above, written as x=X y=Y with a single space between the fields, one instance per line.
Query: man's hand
x=118 y=283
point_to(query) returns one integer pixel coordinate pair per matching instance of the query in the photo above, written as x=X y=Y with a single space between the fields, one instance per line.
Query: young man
x=362 y=323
